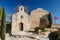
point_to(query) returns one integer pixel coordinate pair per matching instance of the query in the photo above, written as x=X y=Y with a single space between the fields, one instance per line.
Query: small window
x=21 y=16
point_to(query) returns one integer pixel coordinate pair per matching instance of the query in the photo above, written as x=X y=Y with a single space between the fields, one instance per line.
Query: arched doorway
x=21 y=26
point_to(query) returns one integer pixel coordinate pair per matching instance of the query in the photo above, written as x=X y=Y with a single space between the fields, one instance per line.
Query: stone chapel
x=23 y=21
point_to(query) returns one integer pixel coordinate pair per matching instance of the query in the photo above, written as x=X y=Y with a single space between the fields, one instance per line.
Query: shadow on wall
x=8 y=28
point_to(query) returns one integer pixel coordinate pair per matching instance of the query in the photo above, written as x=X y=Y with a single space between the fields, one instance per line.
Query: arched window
x=21 y=8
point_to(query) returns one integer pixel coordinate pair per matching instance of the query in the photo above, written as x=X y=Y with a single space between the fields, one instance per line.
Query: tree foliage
x=0 y=13
x=0 y=18
x=44 y=21
x=3 y=24
x=58 y=34
x=53 y=36
x=41 y=27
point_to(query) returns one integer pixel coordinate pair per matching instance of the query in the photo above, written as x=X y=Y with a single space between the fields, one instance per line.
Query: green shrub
x=58 y=34
x=41 y=27
x=53 y=36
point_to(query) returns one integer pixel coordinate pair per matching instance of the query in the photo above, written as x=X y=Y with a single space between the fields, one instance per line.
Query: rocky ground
x=26 y=36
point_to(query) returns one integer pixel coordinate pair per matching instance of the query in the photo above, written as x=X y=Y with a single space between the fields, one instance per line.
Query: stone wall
x=35 y=17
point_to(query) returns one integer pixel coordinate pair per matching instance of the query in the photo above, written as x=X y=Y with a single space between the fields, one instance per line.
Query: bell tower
x=21 y=8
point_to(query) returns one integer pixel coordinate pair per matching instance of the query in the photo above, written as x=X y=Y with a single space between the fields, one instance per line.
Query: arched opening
x=21 y=26
x=21 y=8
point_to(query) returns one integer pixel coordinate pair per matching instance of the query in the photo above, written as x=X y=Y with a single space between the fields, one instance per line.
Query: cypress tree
x=3 y=24
x=50 y=20
x=0 y=18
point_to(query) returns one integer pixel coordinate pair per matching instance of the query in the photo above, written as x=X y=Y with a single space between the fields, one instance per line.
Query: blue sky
x=52 y=6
